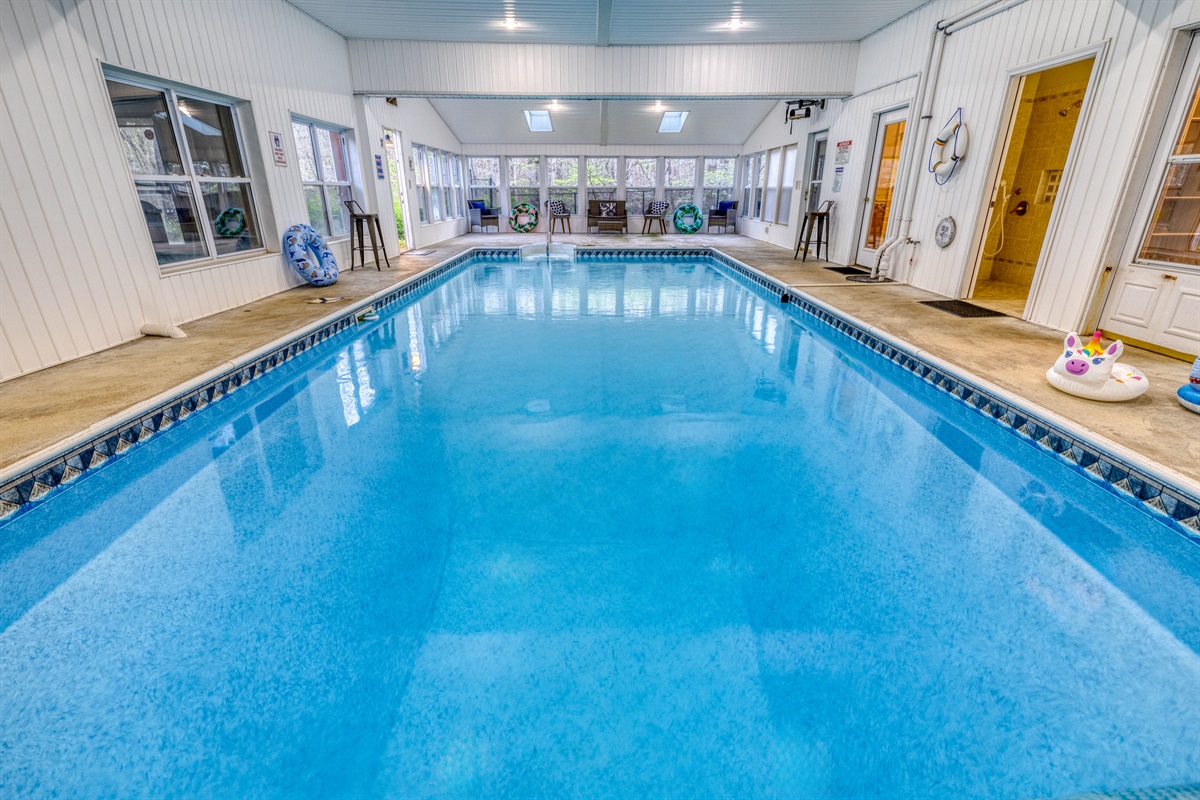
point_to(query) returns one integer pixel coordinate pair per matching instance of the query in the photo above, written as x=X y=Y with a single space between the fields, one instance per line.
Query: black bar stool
x=359 y=218
x=818 y=219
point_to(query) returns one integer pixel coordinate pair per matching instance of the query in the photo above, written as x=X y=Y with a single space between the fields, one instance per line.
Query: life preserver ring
x=309 y=254
x=531 y=218
x=949 y=148
x=684 y=211
x=1092 y=371
x=230 y=222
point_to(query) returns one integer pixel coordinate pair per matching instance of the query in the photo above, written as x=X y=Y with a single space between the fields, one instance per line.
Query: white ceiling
x=603 y=122
x=608 y=22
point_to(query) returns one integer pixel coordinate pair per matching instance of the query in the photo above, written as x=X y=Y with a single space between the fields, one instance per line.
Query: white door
x=399 y=197
x=816 y=170
x=880 y=197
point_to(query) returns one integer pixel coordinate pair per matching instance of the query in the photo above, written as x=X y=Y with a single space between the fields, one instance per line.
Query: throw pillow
x=608 y=209
x=480 y=204
x=725 y=205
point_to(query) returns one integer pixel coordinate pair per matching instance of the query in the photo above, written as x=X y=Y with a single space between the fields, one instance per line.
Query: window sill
x=213 y=263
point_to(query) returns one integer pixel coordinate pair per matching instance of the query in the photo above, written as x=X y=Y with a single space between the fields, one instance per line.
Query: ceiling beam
x=603 y=22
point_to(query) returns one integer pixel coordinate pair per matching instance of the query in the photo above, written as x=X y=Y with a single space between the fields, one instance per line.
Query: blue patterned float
x=309 y=255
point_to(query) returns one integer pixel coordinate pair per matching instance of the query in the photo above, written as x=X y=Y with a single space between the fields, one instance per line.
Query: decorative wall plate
x=943 y=235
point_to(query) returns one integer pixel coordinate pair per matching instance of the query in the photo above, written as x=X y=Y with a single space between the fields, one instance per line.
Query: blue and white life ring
x=308 y=253
x=949 y=148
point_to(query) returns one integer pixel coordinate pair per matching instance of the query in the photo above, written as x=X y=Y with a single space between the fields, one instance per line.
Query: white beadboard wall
x=459 y=69
x=418 y=123
x=85 y=276
x=975 y=75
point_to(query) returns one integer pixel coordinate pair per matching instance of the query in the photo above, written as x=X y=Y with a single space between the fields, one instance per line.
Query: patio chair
x=483 y=216
x=723 y=216
x=607 y=215
x=657 y=212
x=558 y=211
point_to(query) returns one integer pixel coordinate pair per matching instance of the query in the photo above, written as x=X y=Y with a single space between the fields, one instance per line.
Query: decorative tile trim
x=1176 y=505
x=32 y=485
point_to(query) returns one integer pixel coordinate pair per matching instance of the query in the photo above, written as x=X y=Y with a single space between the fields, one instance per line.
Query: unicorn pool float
x=1091 y=370
x=1189 y=393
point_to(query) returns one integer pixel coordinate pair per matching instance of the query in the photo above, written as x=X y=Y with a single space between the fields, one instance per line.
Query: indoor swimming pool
x=599 y=529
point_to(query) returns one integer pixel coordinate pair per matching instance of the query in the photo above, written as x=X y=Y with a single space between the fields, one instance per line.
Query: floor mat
x=847 y=270
x=418 y=252
x=960 y=309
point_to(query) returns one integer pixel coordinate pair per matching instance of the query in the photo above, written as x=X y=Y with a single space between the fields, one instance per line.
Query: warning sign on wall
x=837 y=178
x=842 y=156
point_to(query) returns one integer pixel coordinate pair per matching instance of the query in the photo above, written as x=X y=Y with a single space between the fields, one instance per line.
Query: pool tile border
x=31 y=486
x=1174 y=504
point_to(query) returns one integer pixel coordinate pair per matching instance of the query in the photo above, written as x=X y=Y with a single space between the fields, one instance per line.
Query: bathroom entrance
x=1042 y=124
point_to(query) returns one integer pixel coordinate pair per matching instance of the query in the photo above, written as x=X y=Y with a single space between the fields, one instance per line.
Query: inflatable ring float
x=1189 y=393
x=1091 y=371
x=531 y=218
x=230 y=222
x=949 y=148
x=683 y=212
x=309 y=254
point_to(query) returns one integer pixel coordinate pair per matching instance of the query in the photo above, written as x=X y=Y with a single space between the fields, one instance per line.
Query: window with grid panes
x=189 y=171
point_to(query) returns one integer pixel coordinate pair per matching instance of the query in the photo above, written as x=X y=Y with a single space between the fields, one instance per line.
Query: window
x=672 y=121
x=601 y=178
x=562 y=174
x=1174 y=233
x=718 y=181
x=325 y=173
x=760 y=180
x=816 y=172
x=460 y=204
x=189 y=171
x=786 y=184
x=433 y=174
x=418 y=165
x=747 y=183
x=680 y=180
x=771 y=196
x=641 y=184
x=484 y=175
x=524 y=181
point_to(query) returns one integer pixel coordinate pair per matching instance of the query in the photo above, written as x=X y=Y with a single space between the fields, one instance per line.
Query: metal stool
x=358 y=218
x=818 y=219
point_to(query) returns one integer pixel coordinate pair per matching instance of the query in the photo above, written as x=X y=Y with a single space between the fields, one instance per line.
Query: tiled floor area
x=45 y=407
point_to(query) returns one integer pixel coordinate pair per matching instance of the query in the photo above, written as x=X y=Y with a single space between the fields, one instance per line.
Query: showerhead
x=1067 y=110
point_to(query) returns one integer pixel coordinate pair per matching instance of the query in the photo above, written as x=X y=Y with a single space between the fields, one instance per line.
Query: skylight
x=672 y=121
x=539 y=121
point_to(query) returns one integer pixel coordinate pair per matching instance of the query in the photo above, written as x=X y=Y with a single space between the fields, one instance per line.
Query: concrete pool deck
x=43 y=408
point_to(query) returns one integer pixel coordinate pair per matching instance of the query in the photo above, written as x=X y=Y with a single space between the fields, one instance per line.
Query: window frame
x=497 y=188
x=658 y=178
x=313 y=125
x=589 y=187
x=190 y=178
x=538 y=186
x=668 y=189
x=1184 y=99
x=730 y=190
x=551 y=188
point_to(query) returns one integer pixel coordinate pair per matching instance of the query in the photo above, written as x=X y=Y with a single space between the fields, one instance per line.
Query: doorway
x=816 y=170
x=391 y=146
x=881 y=187
x=1042 y=123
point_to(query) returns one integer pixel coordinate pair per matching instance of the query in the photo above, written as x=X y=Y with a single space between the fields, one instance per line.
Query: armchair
x=723 y=216
x=483 y=216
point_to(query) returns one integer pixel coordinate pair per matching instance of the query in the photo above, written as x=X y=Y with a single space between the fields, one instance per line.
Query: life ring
x=686 y=210
x=531 y=221
x=309 y=254
x=230 y=222
x=1092 y=371
x=949 y=148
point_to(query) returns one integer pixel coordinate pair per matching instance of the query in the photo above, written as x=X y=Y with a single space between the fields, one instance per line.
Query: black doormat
x=960 y=309
x=847 y=270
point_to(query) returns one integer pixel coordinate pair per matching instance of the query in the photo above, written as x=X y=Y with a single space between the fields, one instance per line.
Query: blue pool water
x=596 y=531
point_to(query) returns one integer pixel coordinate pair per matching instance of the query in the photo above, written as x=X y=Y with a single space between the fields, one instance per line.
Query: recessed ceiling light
x=538 y=121
x=735 y=23
x=672 y=121
x=553 y=104
x=511 y=23
x=658 y=105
